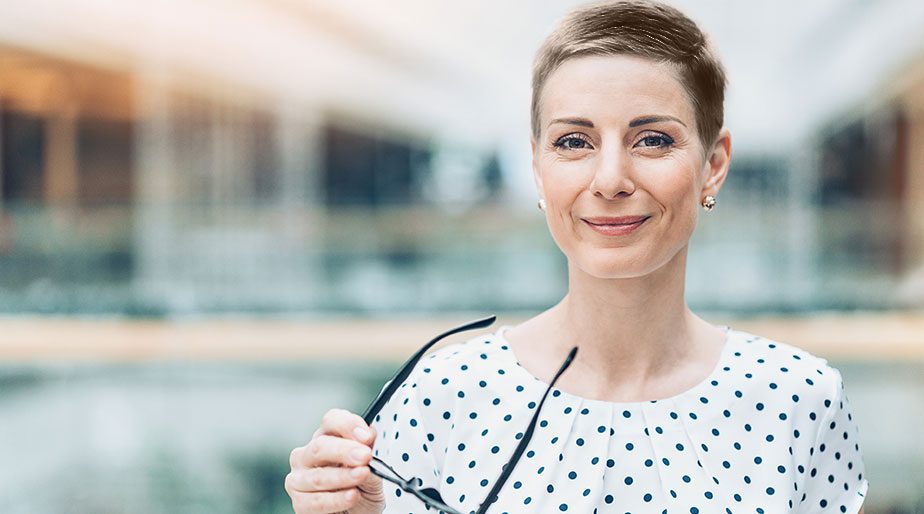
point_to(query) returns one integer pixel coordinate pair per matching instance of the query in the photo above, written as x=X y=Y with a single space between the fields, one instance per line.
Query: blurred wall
x=171 y=171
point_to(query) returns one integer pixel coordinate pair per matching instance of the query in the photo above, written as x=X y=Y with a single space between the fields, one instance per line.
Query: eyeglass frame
x=429 y=495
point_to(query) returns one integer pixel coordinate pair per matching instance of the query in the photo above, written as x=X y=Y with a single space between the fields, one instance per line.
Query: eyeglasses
x=429 y=495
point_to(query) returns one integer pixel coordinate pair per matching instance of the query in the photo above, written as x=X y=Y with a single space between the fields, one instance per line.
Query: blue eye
x=571 y=142
x=657 y=141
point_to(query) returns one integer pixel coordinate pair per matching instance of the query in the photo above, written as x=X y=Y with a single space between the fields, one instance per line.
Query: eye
x=572 y=142
x=656 y=141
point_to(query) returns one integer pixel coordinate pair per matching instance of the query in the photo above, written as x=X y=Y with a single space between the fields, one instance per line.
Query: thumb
x=372 y=487
x=371 y=495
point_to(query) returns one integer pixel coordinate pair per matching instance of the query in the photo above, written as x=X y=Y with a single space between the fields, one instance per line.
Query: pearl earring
x=541 y=204
x=708 y=203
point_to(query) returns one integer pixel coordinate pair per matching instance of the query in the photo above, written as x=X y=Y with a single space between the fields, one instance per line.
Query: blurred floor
x=843 y=336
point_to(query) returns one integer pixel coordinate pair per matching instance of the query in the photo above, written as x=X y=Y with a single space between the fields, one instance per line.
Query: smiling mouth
x=622 y=228
x=612 y=222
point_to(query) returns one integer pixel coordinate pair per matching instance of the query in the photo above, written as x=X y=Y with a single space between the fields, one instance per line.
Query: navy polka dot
x=760 y=402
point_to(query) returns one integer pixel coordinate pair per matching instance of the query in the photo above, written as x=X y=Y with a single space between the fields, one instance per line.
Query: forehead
x=614 y=86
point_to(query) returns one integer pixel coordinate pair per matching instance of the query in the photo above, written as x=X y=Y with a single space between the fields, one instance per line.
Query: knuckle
x=326 y=418
x=349 y=501
x=315 y=447
x=293 y=457
x=330 y=417
x=288 y=483
x=316 y=481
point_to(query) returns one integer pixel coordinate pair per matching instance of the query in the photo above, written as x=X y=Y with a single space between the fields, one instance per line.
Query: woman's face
x=618 y=138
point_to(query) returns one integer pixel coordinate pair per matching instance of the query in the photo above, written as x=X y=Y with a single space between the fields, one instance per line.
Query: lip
x=621 y=220
x=615 y=226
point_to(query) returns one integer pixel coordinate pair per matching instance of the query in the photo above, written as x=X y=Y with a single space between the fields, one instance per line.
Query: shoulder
x=785 y=379
x=812 y=410
x=457 y=361
x=441 y=383
x=793 y=396
x=771 y=358
x=792 y=388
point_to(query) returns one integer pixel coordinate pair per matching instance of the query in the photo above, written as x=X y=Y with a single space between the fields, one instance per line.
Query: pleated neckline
x=684 y=397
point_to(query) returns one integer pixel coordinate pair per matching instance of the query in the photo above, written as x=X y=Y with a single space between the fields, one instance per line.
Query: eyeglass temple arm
x=508 y=469
x=408 y=366
x=433 y=497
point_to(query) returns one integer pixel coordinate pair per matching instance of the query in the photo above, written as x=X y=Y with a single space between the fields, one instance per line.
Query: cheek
x=674 y=187
x=562 y=182
x=681 y=203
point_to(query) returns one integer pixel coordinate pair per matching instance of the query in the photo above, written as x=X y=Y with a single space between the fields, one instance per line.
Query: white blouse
x=770 y=430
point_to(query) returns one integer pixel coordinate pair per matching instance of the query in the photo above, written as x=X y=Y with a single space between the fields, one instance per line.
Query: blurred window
x=368 y=170
x=23 y=147
x=104 y=161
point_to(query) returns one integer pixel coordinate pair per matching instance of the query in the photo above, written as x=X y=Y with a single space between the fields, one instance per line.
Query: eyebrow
x=643 y=120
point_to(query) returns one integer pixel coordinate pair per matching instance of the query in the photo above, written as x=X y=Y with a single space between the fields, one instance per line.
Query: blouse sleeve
x=835 y=480
x=402 y=442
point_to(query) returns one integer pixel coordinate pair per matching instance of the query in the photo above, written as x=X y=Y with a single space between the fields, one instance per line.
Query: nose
x=612 y=174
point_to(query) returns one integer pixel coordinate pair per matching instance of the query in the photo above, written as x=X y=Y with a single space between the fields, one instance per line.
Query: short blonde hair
x=645 y=29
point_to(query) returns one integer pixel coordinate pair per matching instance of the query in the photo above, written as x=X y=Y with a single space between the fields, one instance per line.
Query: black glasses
x=428 y=495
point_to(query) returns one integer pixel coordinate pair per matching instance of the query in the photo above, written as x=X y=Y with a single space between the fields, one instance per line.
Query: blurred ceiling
x=462 y=69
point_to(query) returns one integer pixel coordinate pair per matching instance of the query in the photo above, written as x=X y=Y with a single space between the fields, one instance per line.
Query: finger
x=325 y=502
x=309 y=480
x=344 y=423
x=329 y=450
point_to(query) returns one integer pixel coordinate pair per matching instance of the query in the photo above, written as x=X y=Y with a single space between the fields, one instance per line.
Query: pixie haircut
x=645 y=29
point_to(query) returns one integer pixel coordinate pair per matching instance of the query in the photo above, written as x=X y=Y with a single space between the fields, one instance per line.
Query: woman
x=660 y=411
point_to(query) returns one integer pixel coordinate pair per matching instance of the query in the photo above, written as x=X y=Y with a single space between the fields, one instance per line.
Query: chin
x=611 y=263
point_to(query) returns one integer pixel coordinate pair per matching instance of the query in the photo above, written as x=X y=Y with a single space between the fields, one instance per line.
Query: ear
x=536 y=176
x=717 y=163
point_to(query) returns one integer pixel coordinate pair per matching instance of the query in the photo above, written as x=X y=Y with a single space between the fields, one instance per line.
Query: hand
x=331 y=473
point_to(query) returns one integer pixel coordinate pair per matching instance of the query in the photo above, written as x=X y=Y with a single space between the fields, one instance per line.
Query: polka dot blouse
x=770 y=430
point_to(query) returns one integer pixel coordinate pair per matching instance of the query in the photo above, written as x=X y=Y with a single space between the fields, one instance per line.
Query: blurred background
x=219 y=219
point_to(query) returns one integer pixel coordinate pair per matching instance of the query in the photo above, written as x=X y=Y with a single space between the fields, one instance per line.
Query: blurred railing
x=178 y=259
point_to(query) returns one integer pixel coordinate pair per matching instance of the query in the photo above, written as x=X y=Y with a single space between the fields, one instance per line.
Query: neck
x=631 y=331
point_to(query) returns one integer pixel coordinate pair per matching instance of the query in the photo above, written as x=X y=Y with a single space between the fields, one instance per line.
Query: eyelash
x=561 y=142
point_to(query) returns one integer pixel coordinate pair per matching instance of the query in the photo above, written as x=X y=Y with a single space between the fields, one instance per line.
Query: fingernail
x=359 y=453
x=356 y=472
x=361 y=433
